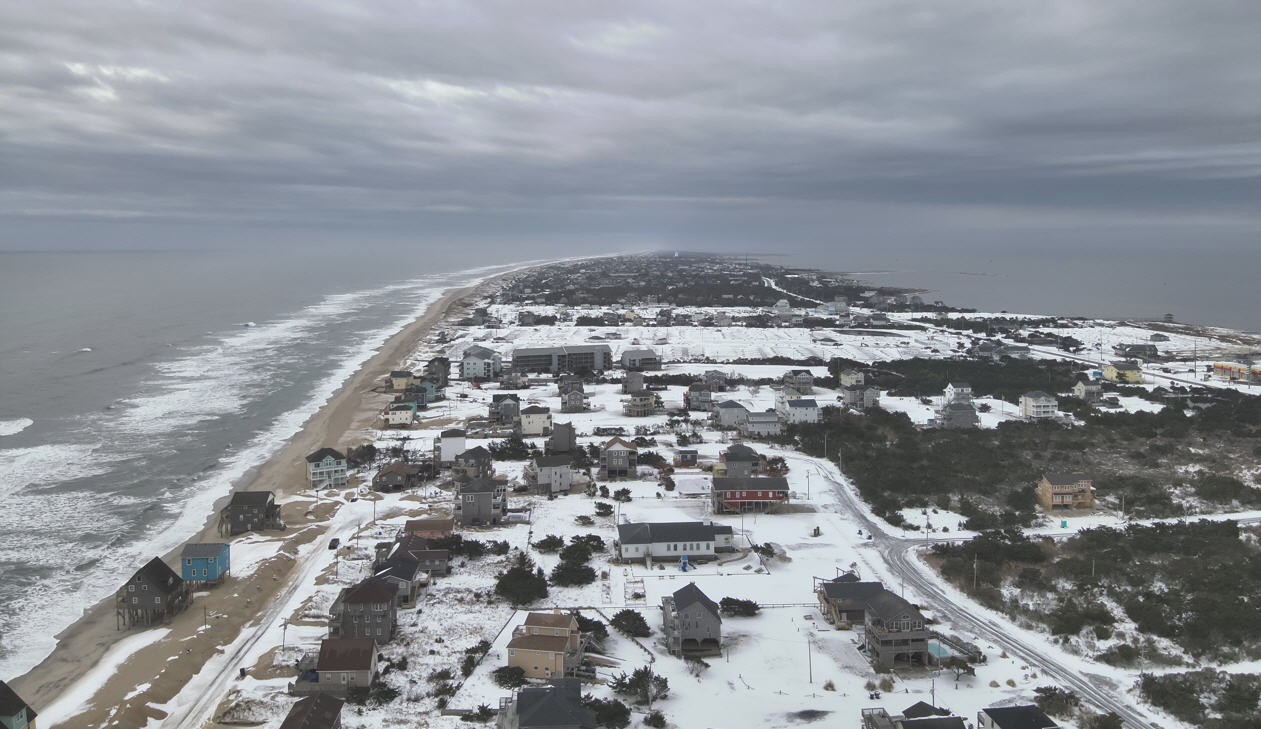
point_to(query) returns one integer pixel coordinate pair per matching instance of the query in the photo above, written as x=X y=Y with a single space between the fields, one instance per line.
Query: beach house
x=326 y=467
x=691 y=623
x=672 y=540
x=480 y=363
x=250 y=511
x=342 y=664
x=1037 y=405
x=556 y=706
x=205 y=562
x=1065 y=490
x=481 y=501
x=1126 y=372
x=735 y=495
x=546 y=645
x=318 y=711
x=14 y=712
x=618 y=459
x=153 y=594
x=365 y=610
x=535 y=420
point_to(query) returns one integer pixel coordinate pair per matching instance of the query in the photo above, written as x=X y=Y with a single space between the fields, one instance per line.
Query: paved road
x=898 y=552
x=204 y=705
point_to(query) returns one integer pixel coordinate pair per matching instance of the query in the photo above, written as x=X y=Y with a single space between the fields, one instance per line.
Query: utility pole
x=974 y=573
x=205 y=614
x=284 y=631
x=809 y=660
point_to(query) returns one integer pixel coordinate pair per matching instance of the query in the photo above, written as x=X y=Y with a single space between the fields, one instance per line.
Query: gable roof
x=690 y=594
x=550 y=706
x=202 y=550
x=372 y=589
x=614 y=441
x=731 y=483
x=482 y=485
x=551 y=620
x=476 y=453
x=505 y=397
x=401 y=373
x=730 y=404
x=320 y=455
x=11 y=703
x=478 y=350
x=160 y=575
x=1037 y=395
x=669 y=531
x=1027 y=716
x=845 y=590
x=535 y=410
x=553 y=461
x=803 y=403
x=346 y=654
x=452 y=433
x=251 y=498
x=550 y=643
x=921 y=709
x=740 y=452
x=318 y=711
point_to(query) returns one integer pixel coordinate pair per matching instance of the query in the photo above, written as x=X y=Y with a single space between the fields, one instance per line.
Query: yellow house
x=545 y=645
x=1125 y=372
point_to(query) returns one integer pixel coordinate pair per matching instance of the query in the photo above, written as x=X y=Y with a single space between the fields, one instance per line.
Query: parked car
x=334 y=543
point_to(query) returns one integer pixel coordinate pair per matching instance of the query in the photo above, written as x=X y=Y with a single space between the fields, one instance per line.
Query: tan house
x=545 y=645
x=342 y=664
x=429 y=528
x=1066 y=491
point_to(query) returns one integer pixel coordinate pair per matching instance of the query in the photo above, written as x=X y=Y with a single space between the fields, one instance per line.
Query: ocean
x=136 y=387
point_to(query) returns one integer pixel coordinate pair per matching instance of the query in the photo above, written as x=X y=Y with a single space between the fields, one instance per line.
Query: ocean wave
x=15 y=426
x=22 y=468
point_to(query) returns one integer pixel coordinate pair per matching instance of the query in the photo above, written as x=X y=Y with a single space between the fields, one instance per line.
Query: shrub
x=591 y=625
x=655 y=719
x=566 y=574
x=441 y=675
x=521 y=583
x=498 y=547
x=1056 y=701
x=509 y=676
x=642 y=686
x=594 y=542
x=603 y=508
x=732 y=606
x=622 y=495
x=583 y=520
x=609 y=713
x=550 y=543
x=631 y=623
x=577 y=552
x=886 y=684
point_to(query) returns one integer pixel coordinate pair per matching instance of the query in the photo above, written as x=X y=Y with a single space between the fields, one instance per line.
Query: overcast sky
x=771 y=123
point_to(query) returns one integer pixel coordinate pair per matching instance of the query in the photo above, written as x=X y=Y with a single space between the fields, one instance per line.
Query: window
x=131 y=588
x=144 y=588
x=157 y=601
x=135 y=601
x=204 y=572
x=188 y=562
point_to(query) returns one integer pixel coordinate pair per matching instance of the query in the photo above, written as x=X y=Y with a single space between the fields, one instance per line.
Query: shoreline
x=340 y=422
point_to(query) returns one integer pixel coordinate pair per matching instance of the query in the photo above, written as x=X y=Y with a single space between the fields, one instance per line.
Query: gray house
x=699 y=397
x=860 y=397
x=1025 y=716
x=154 y=594
x=317 y=711
x=1088 y=391
x=959 y=415
x=557 y=706
x=563 y=439
x=341 y=665
x=730 y=414
x=691 y=623
x=481 y=501
x=641 y=358
x=505 y=408
x=574 y=401
x=715 y=380
x=366 y=610
x=633 y=382
x=800 y=380
x=618 y=459
x=740 y=461
x=476 y=462
x=250 y=511
x=761 y=424
x=895 y=633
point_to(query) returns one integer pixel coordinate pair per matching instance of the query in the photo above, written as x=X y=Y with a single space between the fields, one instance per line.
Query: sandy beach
x=194 y=636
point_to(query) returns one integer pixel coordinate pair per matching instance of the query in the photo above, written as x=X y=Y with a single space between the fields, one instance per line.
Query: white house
x=480 y=363
x=672 y=540
x=451 y=443
x=400 y=414
x=796 y=410
x=852 y=377
x=551 y=474
x=1037 y=405
x=958 y=392
x=536 y=420
x=640 y=358
x=761 y=424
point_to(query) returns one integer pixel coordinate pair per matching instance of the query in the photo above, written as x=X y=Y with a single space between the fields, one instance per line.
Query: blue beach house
x=205 y=562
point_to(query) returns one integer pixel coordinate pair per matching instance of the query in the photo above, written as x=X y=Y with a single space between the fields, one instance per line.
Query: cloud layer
x=656 y=119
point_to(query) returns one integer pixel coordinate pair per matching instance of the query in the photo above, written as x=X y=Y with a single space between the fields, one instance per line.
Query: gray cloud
x=657 y=120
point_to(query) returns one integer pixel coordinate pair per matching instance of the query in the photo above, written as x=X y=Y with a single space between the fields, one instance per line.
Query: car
x=334 y=543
